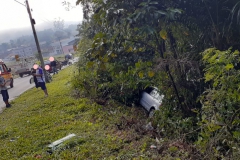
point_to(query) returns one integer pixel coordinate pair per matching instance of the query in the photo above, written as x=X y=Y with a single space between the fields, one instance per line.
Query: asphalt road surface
x=20 y=86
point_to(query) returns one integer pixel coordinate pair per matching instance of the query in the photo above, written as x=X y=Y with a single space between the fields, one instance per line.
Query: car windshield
x=1 y=69
x=155 y=94
x=46 y=62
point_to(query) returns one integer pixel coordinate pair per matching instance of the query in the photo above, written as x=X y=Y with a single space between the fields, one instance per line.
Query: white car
x=151 y=100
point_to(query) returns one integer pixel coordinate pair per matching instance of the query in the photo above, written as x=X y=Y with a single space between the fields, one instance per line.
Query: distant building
x=5 y=54
x=68 y=49
x=74 y=43
x=24 y=51
x=56 y=46
x=63 y=46
x=46 y=49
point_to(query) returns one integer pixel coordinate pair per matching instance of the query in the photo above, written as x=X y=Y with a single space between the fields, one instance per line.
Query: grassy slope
x=110 y=131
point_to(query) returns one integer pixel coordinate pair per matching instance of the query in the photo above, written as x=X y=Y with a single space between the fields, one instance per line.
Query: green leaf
x=130 y=49
x=236 y=134
x=138 y=65
x=153 y=2
x=149 y=64
x=90 y=64
x=208 y=77
x=102 y=66
x=151 y=74
x=236 y=52
x=229 y=66
x=113 y=55
x=143 y=4
x=140 y=74
x=163 y=34
x=141 y=49
x=175 y=10
x=213 y=127
x=161 y=12
x=215 y=84
x=105 y=59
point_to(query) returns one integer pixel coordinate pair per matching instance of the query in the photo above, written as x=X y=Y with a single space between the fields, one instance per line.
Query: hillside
x=112 y=131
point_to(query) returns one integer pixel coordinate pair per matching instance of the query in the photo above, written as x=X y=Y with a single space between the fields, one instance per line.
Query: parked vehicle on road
x=68 y=56
x=48 y=77
x=25 y=66
x=58 y=66
x=23 y=71
x=151 y=99
x=6 y=73
x=69 y=60
x=65 y=62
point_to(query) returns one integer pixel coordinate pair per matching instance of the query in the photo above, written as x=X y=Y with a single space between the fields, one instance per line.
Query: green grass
x=112 y=131
x=33 y=122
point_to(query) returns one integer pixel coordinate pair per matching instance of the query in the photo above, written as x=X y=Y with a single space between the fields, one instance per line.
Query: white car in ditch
x=151 y=100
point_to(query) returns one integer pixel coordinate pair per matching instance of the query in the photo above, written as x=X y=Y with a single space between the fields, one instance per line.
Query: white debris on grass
x=57 y=143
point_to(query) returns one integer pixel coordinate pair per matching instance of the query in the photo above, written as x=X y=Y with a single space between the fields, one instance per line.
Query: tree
x=141 y=33
x=4 y=46
x=140 y=43
x=221 y=113
x=13 y=44
x=58 y=23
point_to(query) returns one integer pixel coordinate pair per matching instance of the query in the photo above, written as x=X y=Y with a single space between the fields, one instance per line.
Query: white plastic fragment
x=57 y=143
x=153 y=147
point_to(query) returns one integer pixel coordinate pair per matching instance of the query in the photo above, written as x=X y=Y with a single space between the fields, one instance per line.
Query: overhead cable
x=20 y=3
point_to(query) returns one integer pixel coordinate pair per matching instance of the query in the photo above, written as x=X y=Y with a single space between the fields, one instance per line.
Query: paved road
x=20 y=86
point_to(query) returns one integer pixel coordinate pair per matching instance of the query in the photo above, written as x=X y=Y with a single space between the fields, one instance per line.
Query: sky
x=14 y=15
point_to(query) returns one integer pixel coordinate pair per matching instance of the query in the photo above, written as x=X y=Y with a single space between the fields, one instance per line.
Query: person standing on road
x=53 y=65
x=41 y=80
x=33 y=71
x=4 y=91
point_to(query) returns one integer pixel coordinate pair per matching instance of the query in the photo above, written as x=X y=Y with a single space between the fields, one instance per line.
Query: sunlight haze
x=14 y=16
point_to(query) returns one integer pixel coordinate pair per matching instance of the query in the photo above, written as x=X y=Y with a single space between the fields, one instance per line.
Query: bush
x=220 y=123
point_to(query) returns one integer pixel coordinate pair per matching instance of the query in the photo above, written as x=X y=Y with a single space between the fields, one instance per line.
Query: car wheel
x=11 y=84
x=151 y=113
x=31 y=80
x=21 y=75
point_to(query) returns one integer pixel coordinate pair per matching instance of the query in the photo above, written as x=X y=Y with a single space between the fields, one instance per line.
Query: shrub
x=220 y=123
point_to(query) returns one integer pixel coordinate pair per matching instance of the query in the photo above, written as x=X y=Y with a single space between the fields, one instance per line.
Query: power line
x=20 y=3
x=39 y=13
x=30 y=10
x=42 y=17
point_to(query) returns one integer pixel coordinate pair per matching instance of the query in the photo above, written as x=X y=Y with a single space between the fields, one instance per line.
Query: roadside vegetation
x=112 y=131
x=187 y=49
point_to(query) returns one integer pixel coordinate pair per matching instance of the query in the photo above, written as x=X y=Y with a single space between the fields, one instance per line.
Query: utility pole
x=59 y=25
x=36 y=40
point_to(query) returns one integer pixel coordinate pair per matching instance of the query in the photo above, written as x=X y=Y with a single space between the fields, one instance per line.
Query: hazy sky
x=14 y=16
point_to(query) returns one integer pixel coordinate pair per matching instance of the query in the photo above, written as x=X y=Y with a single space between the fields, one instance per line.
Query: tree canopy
x=133 y=44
